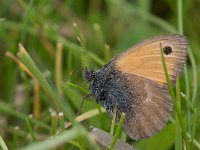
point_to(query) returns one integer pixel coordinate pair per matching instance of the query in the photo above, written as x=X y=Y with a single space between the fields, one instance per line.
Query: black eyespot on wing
x=167 y=50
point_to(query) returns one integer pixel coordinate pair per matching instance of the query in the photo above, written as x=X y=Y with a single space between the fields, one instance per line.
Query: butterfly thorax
x=107 y=86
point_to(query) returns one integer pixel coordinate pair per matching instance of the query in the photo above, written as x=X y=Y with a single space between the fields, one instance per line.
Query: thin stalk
x=118 y=131
x=194 y=71
x=28 y=123
x=188 y=102
x=113 y=121
x=194 y=118
x=58 y=67
x=36 y=100
x=99 y=35
x=78 y=87
x=178 y=111
x=61 y=120
x=15 y=137
x=123 y=136
x=194 y=93
x=25 y=21
x=191 y=117
x=187 y=89
x=178 y=137
x=106 y=52
x=101 y=115
x=85 y=116
x=3 y=144
x=82 y=41
x=69 y=62
x=53 y=122
x=180 y=16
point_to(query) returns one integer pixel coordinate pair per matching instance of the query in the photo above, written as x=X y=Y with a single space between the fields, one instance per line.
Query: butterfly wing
x=144 y=59
x=149 y=116
x=144 y=62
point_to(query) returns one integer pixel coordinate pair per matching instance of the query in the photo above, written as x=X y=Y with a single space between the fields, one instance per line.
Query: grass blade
x=28 y=123
x=113 y=121
x=61 y=120
x=178 y=137
x=3 y=144
x=117 y=131
x=58 y=102
x=178 y=111
x=180 y=16
x=58 y=67
x=25 y=21
x=77 y=87
x=50 y=143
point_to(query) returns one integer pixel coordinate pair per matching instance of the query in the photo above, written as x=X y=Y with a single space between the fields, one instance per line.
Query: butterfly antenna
x=83 y=44
x=81 y=106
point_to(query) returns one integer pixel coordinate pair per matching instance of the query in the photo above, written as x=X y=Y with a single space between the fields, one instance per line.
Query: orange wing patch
x=144 y=59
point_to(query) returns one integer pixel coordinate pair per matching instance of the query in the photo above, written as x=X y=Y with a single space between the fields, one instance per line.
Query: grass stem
x=28 y=123
x=118 y=131
x=178 y=111
x=3 y=144
x=113 y=121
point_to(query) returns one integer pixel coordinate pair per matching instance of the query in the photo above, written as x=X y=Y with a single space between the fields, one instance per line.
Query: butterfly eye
x=167 y=50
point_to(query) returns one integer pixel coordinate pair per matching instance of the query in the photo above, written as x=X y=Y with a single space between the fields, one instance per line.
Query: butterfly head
x=89 y=74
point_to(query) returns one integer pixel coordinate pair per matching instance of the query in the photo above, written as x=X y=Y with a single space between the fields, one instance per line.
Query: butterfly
x=134 y=82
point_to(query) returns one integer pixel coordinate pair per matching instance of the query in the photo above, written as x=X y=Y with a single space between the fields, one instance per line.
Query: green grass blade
x=58 y=102
x=61 y=120
x=3 y=144
x=187 y=89
x=180 y=16
x=191 y=118
x=82 y=41
x=178 y=137
x=78 y=87
x=25 y=21
x=194 y=71
x=56 y=141
x=53 y=121
x=178 y=111
x=58 y=67
x=118 y=131
x=107 y=53
x=30 y=128
x=15 y=137
x=113 y=121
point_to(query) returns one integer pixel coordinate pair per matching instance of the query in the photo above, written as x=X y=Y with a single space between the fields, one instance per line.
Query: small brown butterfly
x=134 y=82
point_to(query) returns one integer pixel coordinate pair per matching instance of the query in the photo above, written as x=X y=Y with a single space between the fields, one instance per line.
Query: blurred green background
x=107 y=27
